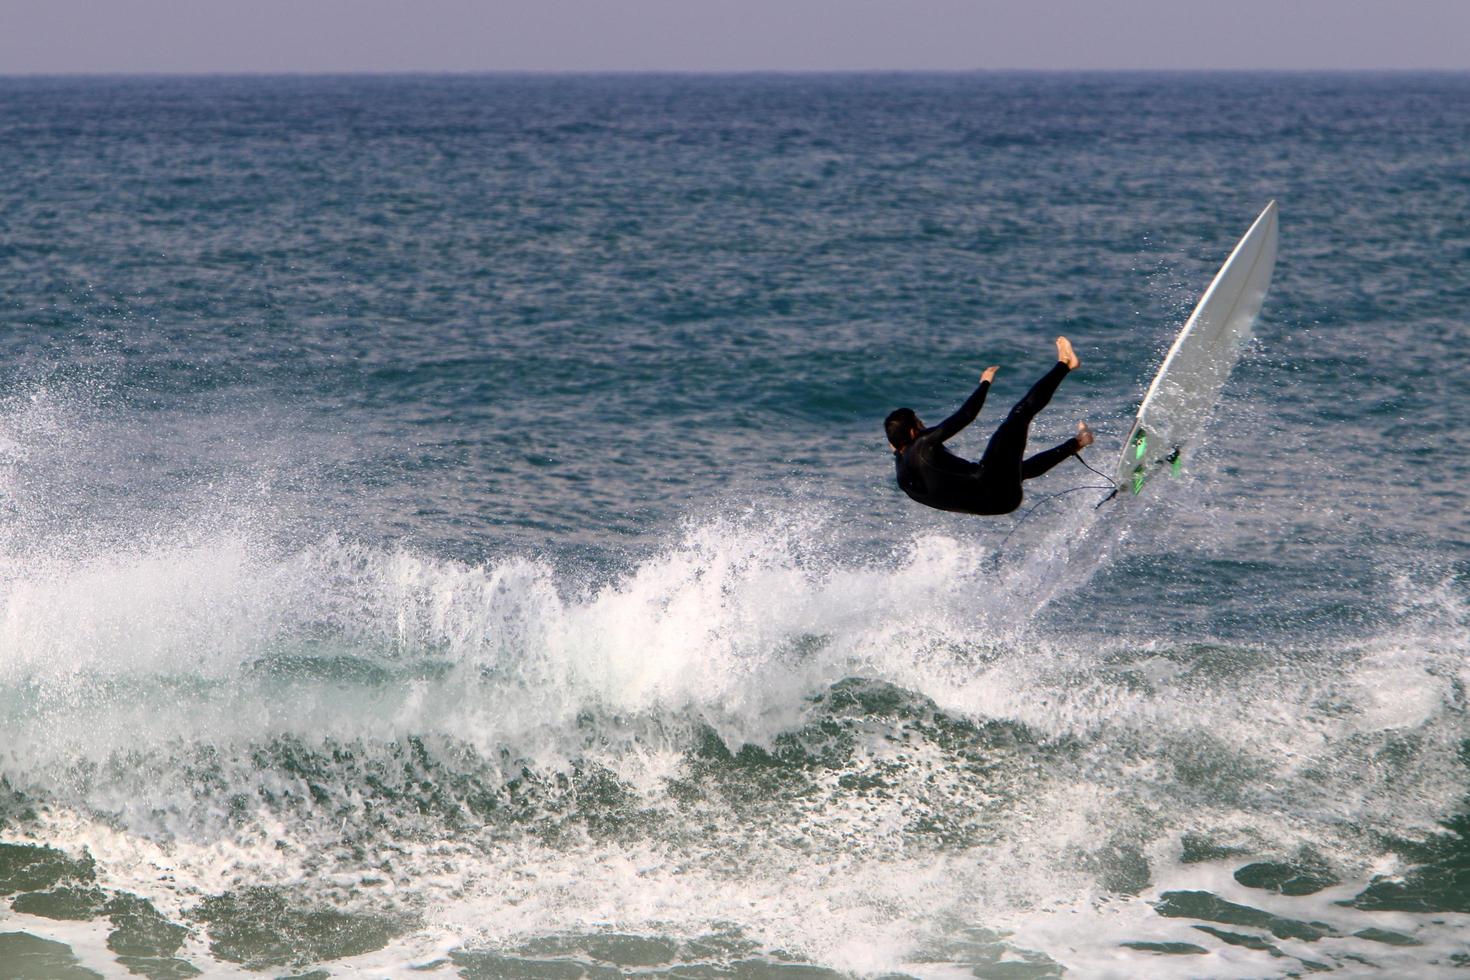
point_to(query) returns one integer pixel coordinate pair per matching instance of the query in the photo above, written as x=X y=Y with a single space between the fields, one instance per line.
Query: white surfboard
x=1184 y=392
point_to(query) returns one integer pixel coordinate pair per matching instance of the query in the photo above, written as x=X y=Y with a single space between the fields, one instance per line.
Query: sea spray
x=445 y=523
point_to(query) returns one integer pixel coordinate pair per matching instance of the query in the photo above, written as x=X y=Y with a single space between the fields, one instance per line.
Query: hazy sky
x=725 y=35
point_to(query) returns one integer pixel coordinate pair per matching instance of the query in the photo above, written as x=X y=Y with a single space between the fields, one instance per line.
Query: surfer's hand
x=989 y=373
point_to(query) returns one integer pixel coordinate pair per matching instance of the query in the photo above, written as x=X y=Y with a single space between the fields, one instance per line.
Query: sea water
x=446 y=529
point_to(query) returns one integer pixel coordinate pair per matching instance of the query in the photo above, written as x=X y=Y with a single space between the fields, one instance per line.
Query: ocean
x=446 y=529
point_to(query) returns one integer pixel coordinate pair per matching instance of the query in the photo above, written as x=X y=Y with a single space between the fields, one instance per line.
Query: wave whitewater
x=448 y=752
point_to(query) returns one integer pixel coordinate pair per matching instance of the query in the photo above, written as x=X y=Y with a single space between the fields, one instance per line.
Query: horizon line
x=708 y=72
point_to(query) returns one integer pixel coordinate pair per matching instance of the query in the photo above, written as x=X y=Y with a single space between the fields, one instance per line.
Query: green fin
x=1139 y=475
x=1140 y=444
x=1176 y=463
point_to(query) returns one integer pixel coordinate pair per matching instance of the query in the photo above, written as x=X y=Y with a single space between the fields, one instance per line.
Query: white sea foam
x=206 y=644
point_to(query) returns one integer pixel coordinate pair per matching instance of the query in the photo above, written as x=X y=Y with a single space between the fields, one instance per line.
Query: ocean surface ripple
x=445 y=527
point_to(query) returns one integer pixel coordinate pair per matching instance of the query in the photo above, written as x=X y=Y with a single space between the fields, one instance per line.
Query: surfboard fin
x=1139 y=475
x=1140 y=444
x=1175 y=461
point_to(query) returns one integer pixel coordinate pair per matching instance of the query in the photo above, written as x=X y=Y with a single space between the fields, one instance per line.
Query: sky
x=108 y=36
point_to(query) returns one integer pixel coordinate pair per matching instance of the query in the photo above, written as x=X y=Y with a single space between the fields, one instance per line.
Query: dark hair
x=898 y=424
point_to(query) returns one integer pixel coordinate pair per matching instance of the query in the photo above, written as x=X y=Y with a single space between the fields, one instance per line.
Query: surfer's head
x=902 y=425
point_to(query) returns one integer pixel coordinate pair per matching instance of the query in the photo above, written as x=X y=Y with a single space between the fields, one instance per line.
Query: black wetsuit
x=934 y=476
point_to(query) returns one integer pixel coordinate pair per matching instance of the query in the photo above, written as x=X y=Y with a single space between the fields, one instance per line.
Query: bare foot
x=989 y=373
x=1066 y=355
x=1084 y=435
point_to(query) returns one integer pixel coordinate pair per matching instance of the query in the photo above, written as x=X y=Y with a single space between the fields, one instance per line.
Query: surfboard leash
x=1116 y=487
x=1090 y=466
x=1051 y=497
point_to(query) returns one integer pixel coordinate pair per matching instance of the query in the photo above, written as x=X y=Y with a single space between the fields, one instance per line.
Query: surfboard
x=1183 y=394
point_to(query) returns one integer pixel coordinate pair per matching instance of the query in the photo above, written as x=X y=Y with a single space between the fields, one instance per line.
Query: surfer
x=937 y=478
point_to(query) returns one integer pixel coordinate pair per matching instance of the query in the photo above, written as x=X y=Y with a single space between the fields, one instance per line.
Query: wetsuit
x=934 y=476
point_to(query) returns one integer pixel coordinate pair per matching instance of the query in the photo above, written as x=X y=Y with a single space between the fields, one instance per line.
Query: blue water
x=445 y=523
